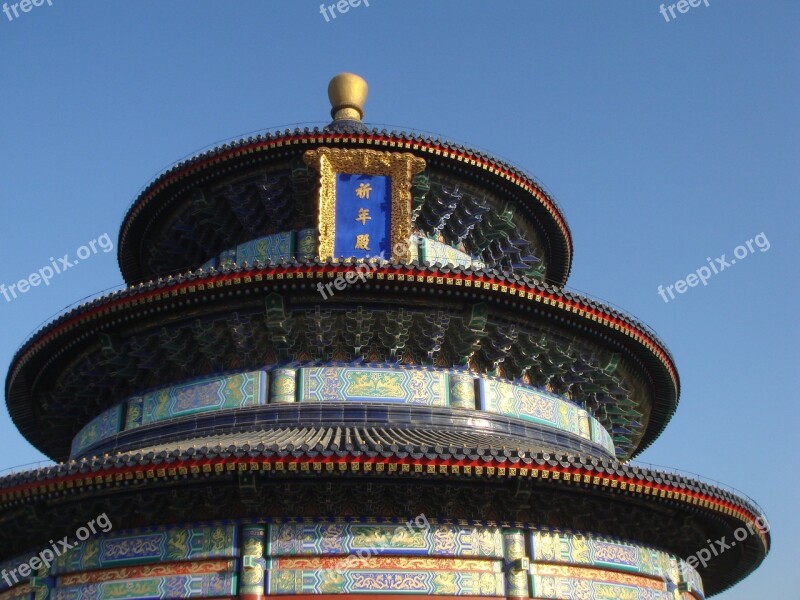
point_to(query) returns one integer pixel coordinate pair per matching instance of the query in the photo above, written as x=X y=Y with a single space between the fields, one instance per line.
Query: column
x=251 y=549
x=516 y=564
x=283 y=386
x=462 y=391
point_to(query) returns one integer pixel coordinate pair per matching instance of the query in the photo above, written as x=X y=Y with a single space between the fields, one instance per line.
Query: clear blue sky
x=664 y=142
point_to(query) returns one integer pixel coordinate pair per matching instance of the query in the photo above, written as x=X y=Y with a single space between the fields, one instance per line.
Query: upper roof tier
x=251 y=188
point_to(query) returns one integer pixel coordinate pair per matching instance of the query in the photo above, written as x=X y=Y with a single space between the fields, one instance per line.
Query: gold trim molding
x=400 y=167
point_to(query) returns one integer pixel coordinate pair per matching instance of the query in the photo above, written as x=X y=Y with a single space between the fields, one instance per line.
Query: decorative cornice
x=281 y=143
x=507 y=286
x=203 y=286
x=605 y=477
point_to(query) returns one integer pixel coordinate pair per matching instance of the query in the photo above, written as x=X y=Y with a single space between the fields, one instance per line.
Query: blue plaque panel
x=363 y=216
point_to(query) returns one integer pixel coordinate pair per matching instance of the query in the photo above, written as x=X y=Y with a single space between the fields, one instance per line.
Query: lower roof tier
x=209 y=322
x=279 y=474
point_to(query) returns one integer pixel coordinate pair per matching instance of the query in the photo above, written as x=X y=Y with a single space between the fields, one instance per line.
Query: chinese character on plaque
x=362 y=241
x=363 y=216
x=363 y=190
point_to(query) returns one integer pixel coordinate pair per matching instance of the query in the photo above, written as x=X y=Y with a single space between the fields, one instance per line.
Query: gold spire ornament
x=347 y=93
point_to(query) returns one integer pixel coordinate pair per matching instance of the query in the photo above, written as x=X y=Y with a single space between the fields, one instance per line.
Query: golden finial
x=347 y=93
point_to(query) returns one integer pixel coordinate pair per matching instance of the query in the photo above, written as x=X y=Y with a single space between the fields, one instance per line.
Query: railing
x=200 y=431
x=122 y=286
x=211 y=146
x=624 y=312
x=321 y=124
x=41 y=464
x=85 y=300
x=702 y=478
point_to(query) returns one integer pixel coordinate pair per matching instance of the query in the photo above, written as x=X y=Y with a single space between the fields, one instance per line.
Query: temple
x=345 y=364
